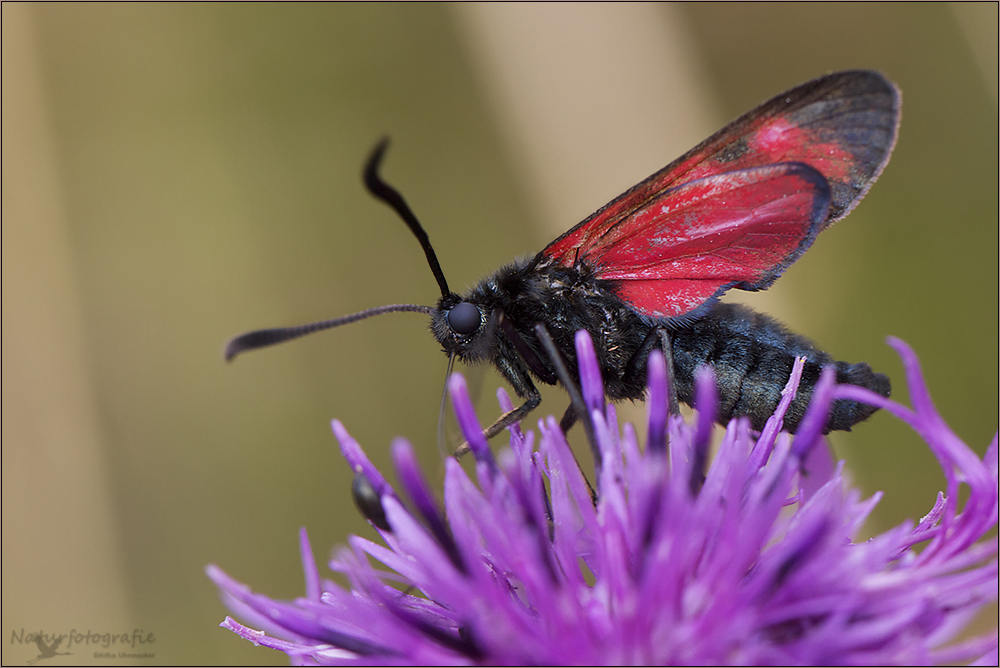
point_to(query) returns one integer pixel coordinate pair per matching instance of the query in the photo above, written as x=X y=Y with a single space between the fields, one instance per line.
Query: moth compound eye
x=464 y=318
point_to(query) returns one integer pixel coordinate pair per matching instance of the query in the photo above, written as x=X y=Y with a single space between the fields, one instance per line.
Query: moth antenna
x=383 y=191
x=262 y=338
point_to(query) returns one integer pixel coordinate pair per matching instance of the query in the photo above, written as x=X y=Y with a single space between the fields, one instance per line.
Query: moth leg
x=513 y=415
x=569 y=419
x=519 y=379
x=657 y=336
x=526 y=354
x=516 y=414
x=668 y=357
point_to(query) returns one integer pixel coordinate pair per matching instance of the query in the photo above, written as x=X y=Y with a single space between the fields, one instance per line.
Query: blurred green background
x=177 y=174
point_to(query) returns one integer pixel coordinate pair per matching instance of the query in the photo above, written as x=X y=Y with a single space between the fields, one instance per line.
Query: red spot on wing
x=772 y=140
x=786 y=142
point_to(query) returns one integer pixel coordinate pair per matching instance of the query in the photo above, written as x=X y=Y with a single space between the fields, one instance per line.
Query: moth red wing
x=690 y=244
x=842 y=125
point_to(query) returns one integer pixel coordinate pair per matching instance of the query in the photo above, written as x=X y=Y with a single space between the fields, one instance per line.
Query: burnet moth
x=647 y=269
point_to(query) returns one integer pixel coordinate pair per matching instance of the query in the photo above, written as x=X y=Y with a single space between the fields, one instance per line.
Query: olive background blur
x=174 y=175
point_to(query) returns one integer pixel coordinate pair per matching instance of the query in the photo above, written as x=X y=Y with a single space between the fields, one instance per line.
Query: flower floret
x=668 y=556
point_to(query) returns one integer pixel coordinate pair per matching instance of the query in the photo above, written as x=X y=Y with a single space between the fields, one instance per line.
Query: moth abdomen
x=752 y=357
x=845 y=413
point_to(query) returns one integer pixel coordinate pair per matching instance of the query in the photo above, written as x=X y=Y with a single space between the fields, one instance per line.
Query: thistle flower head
x=675 y=558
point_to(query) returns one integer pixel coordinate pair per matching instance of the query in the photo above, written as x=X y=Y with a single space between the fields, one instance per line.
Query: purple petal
x=417 y=489
x=656 y=368
x=506 y=406
x=590 y=372
x=357 y=459
x=813 y=423
x=817 y=468
x=774 y=423
x=465 y=414
x=759 y=566
x=309 y=566
x=707 y=402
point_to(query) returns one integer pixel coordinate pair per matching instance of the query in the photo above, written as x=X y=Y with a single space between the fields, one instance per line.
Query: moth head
x=463 y=328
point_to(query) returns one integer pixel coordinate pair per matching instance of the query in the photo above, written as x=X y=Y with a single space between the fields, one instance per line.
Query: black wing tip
x=870 y=82
x=883 y=100
x=860 y=80
x=849 y=83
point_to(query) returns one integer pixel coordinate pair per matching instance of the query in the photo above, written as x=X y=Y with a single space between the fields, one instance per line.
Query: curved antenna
x=383 y=191
x=262 y=338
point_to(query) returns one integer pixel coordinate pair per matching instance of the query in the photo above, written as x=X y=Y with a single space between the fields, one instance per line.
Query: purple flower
x=747 y=557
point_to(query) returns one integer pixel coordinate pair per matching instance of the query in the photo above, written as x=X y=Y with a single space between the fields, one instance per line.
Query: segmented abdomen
x=752 y=356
